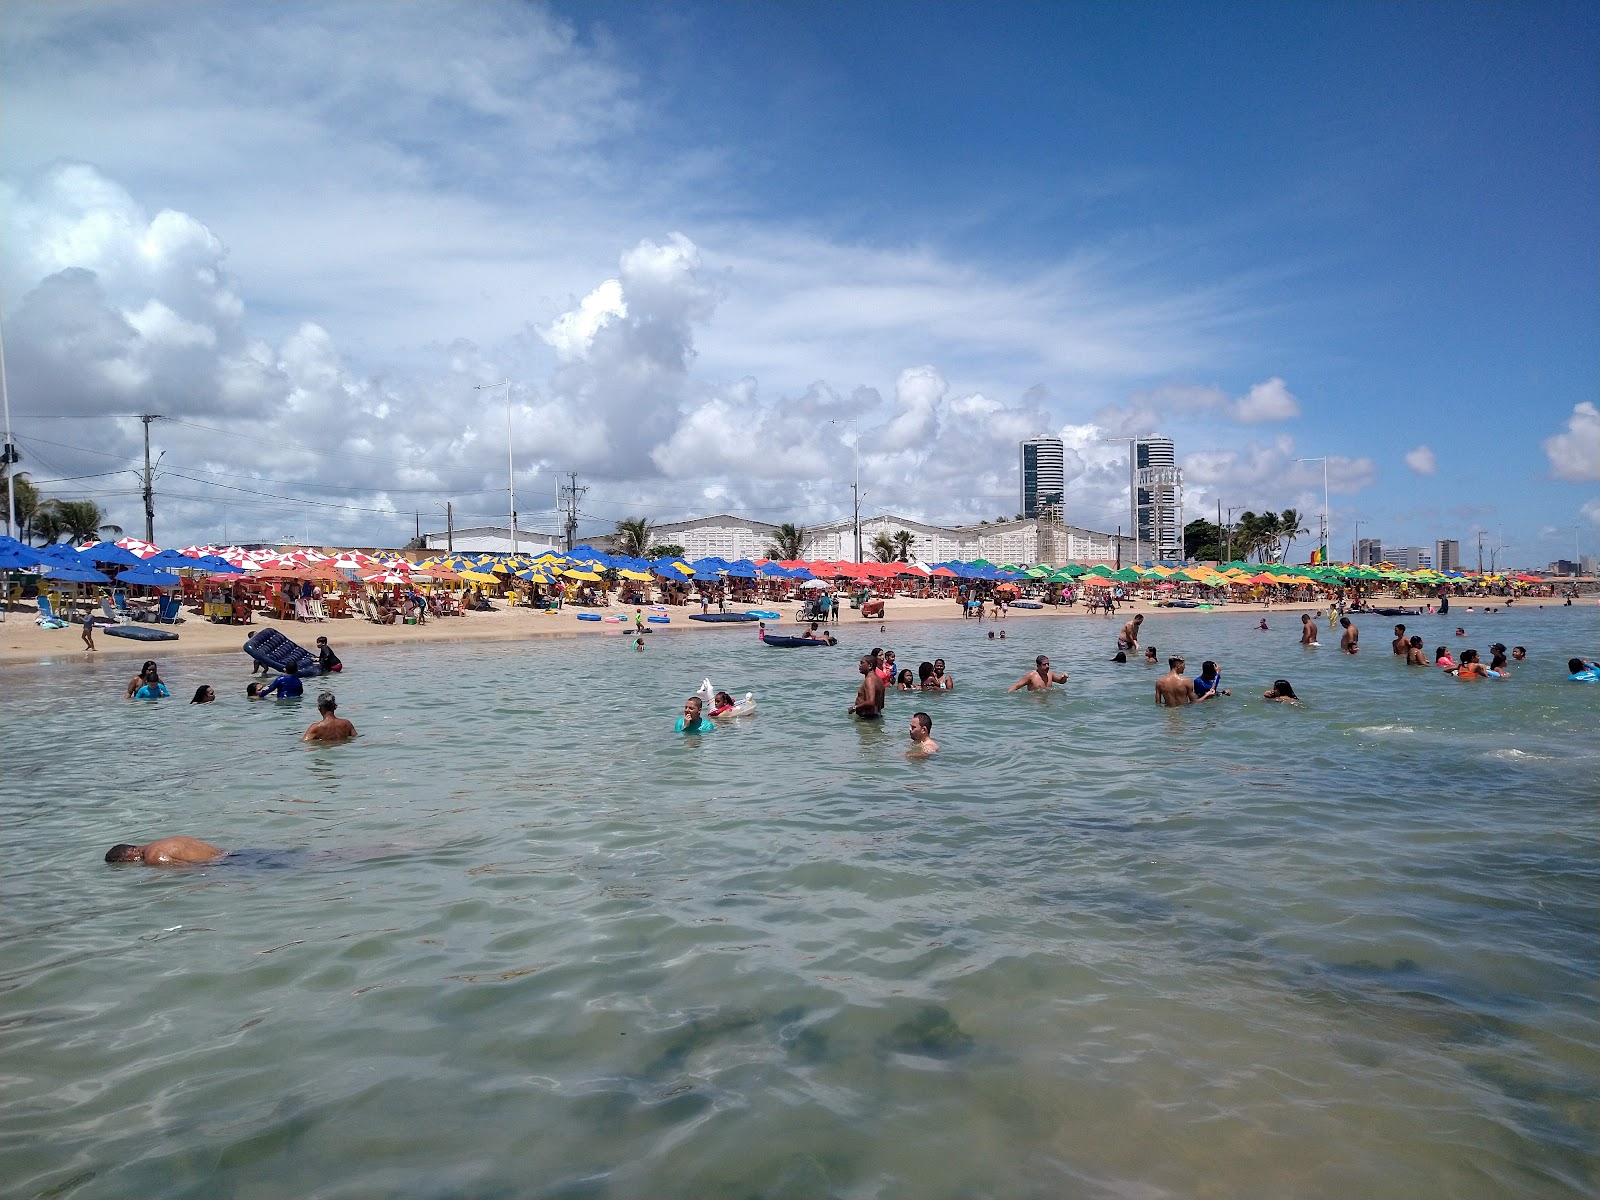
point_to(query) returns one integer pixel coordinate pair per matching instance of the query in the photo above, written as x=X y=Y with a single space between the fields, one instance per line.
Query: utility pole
x=8 y=455
x=1480 y=552
x=149 y=478
x=855 y=488
x=511 y=469
x=449 y=527
x=1133 y=494
x=571 y=493
x=1355 y=545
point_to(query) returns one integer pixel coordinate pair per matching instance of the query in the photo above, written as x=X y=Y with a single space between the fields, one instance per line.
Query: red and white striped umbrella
x=354 y=560
x=198 y=551
x=134 y=546
x=387 y=577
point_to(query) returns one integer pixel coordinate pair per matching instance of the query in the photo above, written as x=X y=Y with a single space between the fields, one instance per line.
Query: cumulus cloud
x=1145 y=411
x=1591 y=509
x=1422 y=460
x=1575 y=453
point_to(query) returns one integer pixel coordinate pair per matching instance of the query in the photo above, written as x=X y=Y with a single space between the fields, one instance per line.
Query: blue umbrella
x=170 y=560
x=59 y=554
x=218 y=566
x=110 y=552
x=71 y=574
x=14 y=556
x=743 y=569
x=148 y=576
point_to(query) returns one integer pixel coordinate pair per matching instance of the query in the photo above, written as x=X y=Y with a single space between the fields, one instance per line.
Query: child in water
x=1281 y=692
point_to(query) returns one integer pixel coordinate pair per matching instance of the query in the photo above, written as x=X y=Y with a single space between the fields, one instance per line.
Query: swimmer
x=1282 y=692
x=203 y=694
x=869 y=696
x=692 y=721
x=1498 y=667
x=1414 y=655
x=1040 y=678
x=1263 y=625
x=1583 y=670
x=1207 y=683
x=1441 y=658
x=638 y=643
x=1400 y=645
x=1308 y=631
x=922 y=743
x=252 y=691
x=326 y=658
x=1121 y=656
x=1460 y=632
x=991 y=635
x=1150 y=656
x=1174 y=689
x=1470 y=667
x=1128 y=639
x=331 y=727
x=1349 y=640
x=287 y=686
x=926 y=682
x=1520 y=653
x=1002 y=635
x=943 y=680
x=721 y=704
x=166 y=852
x=148 y=681
x=904 y=682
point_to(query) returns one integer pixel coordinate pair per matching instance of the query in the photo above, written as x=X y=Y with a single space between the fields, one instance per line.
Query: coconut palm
x=903 y=541
x=632 y=539
x=788 y=542
x=1291 y=524
x=883 y=547
x=26 y=499
x=81 y=520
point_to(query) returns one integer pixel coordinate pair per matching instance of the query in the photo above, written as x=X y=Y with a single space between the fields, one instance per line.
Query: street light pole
x=1327 y=526
x=511 y=470
x=1133 y=492
x=855 y=488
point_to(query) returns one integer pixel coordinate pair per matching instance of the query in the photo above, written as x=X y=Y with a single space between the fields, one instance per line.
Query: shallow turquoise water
x=537 y=945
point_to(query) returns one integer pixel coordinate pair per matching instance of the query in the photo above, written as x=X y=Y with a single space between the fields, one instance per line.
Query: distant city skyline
x=729 y=256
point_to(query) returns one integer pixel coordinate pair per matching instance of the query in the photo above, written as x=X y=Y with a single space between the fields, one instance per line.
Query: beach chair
x=47 y=614
x=302 y=609
x=108 y=612
x=167 y=614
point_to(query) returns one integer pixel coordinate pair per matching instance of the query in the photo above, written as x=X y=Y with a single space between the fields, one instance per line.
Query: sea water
x=522 y=940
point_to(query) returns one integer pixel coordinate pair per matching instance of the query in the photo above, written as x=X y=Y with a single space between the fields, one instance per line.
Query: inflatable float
x=708 y=700
x=138 y=633
x=278 y=652
x=764 y=614
x=1024 y=604
x=724 y=618
x=1396 y=612
x=783 y=640
x=659 y=620
x=588 y=616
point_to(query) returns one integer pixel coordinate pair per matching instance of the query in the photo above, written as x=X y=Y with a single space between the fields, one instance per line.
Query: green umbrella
x=1126 y=575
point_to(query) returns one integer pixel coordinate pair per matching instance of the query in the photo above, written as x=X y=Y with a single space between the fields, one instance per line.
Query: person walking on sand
x=1349 y=640
x=330 y=727
x=1174 y=689
x=1040 y=678
x=88 y=629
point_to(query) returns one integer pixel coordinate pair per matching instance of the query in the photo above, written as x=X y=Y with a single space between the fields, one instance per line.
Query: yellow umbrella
x=639 y=576
x=478 y=577
x=574 y=573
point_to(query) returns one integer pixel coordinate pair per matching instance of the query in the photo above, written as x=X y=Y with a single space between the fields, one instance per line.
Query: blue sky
x=694 y=235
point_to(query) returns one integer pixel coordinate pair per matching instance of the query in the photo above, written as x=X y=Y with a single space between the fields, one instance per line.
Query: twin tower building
x=1155 y=490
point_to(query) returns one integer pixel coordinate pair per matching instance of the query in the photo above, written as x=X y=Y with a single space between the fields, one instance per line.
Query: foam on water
x=531 y=943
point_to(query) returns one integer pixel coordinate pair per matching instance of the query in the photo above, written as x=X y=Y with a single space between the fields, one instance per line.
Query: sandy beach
x=24 y=642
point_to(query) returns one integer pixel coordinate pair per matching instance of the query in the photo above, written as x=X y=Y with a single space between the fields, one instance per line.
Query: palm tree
x=1291 y=524
x=883 y=547
x=82 y=520
x=903 y=541
x=633 y=537
x=788 y=543
x=26 y=499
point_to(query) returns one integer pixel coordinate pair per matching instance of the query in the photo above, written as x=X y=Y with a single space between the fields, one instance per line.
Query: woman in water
x=904 y=682
x=1414 y=655
x=927 y=681
x=1149 y=656
x=1282 y=692
x=1470 y=667
x=1121 y=656
x=1441 y=658
x=203 y=694
x=147 y=685
x=1497 y=665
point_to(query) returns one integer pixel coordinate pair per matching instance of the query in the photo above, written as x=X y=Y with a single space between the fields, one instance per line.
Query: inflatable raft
x=783 y=640
x=138 y=633
x=278 y=652
x=724 y=618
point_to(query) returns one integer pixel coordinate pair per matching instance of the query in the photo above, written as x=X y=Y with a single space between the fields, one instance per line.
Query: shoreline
x=23 y=643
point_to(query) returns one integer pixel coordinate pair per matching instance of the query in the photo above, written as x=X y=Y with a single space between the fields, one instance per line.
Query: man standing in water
x=1400 y=643
x=869 y=696
x=1040 y=678
x=1308 y=631
x=922 y=742
x=1128 y=640
x=1350 y=637
x=166 y=852
x=1174 y=689
x=331 y=727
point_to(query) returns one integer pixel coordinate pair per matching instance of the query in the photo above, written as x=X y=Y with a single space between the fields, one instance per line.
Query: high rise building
x=1447 y=555
x=1160 y=497
x=1409 y=558
x=1043 y=475
x=1369 y=552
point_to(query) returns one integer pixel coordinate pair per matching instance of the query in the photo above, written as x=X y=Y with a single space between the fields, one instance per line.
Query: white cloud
x=1422 y=460
x=1575 y=454
x=1591 y=509
x=1265 y=402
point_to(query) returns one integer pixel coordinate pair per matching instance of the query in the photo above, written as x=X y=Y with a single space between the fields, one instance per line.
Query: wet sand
x=23 y=641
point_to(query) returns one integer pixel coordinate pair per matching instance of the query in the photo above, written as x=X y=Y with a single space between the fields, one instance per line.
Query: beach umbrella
x=142 y=549
x=109 y=552
x=14 y=556
x=148 y=576
x=594 y=577
x=816 y=585
x=388 y=577
x=68 y=573
x=171 y=560
x=217 y=566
